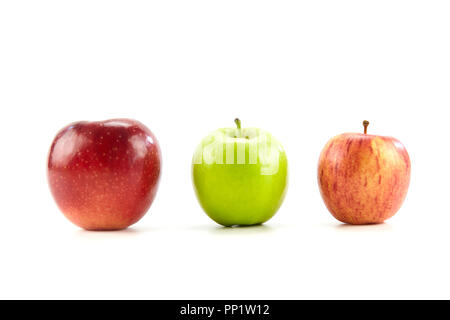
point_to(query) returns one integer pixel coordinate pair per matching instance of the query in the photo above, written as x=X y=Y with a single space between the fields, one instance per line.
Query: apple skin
x=363 y=179
x=104 y=175
x=238 y=193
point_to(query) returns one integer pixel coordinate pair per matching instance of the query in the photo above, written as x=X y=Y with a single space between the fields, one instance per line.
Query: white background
x=303 y=70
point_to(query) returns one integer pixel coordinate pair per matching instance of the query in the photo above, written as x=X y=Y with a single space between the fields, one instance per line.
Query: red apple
x=363 y=178
x=104 y=175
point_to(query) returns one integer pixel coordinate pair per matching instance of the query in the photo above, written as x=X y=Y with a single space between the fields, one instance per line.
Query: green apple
x=240 y=175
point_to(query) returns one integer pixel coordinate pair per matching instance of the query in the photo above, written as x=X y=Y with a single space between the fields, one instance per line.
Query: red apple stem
x=365 y=124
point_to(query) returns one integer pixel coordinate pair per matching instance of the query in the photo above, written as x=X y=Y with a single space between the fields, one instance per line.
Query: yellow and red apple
x=363 y=179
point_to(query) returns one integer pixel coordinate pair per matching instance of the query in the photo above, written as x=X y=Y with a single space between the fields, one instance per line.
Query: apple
x=240 y=175
x=104 y=175
x=363 y=179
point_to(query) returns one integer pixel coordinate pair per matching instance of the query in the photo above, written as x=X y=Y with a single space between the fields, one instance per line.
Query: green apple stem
x=365 y=124
x=238 y=124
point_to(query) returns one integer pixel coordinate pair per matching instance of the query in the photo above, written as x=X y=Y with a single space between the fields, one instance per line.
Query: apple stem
x=365 y=124
x=238 y=123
